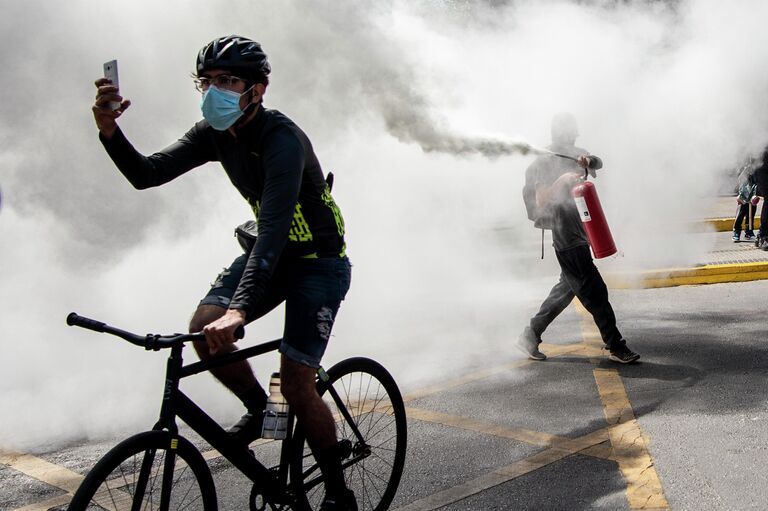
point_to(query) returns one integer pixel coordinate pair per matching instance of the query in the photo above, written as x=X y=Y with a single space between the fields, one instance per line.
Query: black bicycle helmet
x=241 y=56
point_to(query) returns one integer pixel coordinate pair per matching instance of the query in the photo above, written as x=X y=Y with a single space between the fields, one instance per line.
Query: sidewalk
x=725 y=262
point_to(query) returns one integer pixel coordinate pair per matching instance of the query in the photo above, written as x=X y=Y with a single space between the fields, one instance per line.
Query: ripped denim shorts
x=312 y=290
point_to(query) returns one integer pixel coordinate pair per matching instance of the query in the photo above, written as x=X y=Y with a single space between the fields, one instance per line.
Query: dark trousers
x=763 y=233
x=579 y=277
x=743 y=215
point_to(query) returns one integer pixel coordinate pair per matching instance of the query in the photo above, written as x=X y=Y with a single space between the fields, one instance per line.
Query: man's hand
x=562 y=185
x=739 y=200
x=583 y=162
x=755 y=200
x=102 y=111
x=222 y=331
x=569 y=180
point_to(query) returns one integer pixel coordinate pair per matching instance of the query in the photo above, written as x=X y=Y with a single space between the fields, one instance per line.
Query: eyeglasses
x=221 y=81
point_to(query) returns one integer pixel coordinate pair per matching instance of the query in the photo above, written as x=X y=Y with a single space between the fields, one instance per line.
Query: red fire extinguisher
x=593 y=219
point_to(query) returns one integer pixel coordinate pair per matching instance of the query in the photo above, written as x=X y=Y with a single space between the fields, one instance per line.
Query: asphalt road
x=683 y=430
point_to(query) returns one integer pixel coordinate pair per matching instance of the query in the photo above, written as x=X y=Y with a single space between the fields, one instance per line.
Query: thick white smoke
x=396 y=97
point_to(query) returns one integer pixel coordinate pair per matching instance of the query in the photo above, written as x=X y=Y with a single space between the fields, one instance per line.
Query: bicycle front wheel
x=148 y=471
x=372 y=436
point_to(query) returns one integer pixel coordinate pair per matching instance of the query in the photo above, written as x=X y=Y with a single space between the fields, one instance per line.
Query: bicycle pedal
x=344 y=448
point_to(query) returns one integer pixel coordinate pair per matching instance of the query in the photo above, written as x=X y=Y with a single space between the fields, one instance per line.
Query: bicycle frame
x=177 y=404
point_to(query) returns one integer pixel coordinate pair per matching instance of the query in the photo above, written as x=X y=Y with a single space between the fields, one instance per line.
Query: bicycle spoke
x=109 y=490
x=367 y=494
x=190 y=486
x=122 y=496
x=380 y=448
x=120 y=490
x=153 y=479
x=366 y=417
x=383 y=460
x=386 y=425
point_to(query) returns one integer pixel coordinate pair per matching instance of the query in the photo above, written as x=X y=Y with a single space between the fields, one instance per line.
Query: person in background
x=747 y=201
x=761 y=179
x=549 y=181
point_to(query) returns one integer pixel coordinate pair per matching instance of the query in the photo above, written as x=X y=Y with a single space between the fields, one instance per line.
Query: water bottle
x=276 y=412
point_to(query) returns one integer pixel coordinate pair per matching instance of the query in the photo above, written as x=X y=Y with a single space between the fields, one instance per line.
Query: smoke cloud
x=420 y=109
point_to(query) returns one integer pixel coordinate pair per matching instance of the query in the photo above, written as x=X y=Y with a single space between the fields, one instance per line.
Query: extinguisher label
x=581 y=205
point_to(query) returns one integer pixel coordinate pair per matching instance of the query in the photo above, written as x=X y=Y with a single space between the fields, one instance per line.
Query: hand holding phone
x=110 y=73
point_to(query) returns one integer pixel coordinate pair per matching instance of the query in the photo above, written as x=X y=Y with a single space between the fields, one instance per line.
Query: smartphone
x=110 y=73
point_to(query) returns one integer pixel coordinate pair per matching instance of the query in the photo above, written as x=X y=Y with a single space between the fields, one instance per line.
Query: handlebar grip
x=91 y=324
x=240 y=332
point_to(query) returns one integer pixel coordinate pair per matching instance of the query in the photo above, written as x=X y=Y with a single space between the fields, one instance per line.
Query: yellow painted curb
x=707 y=274
x=721 y=224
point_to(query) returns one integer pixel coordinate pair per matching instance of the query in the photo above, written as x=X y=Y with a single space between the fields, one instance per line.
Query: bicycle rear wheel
x=373 y=462
x=144 y=469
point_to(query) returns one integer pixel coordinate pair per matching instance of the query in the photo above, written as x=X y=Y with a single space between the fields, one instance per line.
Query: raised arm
x=192 y=150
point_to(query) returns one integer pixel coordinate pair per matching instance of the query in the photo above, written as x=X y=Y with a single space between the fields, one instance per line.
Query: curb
x=706 y=274
x=721 y=224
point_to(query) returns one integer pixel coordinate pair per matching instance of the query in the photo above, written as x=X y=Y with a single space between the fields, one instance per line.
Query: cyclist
x=299 y=253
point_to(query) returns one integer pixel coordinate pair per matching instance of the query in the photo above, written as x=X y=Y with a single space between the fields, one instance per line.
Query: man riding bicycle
x=298 y=256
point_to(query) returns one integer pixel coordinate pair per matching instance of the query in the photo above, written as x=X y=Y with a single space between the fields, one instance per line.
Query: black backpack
x=540 y=217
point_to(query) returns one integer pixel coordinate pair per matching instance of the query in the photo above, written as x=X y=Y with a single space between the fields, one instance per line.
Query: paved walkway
x=725 y=261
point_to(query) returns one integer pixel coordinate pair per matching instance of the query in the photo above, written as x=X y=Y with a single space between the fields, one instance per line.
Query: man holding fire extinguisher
x=549 y=182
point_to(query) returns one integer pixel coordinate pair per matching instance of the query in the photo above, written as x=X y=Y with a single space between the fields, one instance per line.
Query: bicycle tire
x=111 y=484
x=373 y=399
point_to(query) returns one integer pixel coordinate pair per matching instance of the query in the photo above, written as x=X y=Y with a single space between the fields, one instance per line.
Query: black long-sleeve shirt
x=272 y=164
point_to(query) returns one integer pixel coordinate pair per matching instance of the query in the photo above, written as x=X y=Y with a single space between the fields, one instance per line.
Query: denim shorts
x=312 y=290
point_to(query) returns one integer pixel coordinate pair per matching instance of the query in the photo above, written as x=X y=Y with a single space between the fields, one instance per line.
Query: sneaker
x=528 y=343
x=623 y=355
x=736 y=236
x=346 y=503
x=248 y=428
x=749 y=236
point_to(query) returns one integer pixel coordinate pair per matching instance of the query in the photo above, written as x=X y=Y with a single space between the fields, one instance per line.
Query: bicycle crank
x=257 y=502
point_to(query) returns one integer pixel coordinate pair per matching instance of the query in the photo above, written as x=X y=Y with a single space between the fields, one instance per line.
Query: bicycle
x=160 y=469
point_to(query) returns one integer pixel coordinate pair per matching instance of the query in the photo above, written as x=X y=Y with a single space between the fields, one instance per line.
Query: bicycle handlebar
x=150 y=341
x=73 y=319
